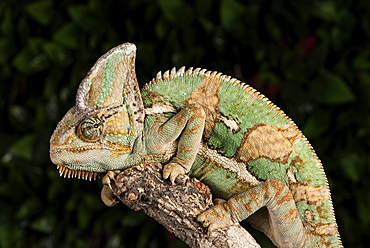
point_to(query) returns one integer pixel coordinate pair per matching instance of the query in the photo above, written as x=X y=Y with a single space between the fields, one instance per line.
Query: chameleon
x=210 y=126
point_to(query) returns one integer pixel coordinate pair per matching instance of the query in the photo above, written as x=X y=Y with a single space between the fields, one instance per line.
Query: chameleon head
x=99 y=133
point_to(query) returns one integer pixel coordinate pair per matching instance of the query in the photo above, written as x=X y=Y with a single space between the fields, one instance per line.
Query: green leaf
x=40 y=11
x=81 y=17
x=30 y=207
x=363 y=210
x=43 y=224
x=351 y=167
x=326 y=10
x=362 y=62
x=67 y=36
x=318 y=123
x=176 y=12
x=231 y=13
x=207 y=25
x=28 y=62
x=57 y=53
x=6 y=50
x=23 y=147
x=10 y=236
x=161 y=29
x=364 y=80
x=331 y=88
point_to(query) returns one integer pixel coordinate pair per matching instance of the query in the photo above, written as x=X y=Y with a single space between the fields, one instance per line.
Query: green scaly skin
x=210 y=126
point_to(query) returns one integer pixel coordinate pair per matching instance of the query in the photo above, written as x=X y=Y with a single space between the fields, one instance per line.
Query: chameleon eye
x=91 y=129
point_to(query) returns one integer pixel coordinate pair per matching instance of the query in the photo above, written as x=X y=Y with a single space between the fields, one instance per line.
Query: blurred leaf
x=326 y=10
x=332 y=88
x=67 y=35
x=20 y=114
x=350 y=166
x=6 y=50
x=41 y=11
x=84 y=217
x=28 y=62
x=364 y=81
x=161 y=29
x=43 y=224
x=80 y=15
x=56 y=53
x=273 y=27
x=23 y=147
x=362 y=62
x=146 y=234
x=29 y=208
x=10 y=237
x=207 y=25
x=317 y=124
x=363 y=210
x=177 y=12
x=231 y=13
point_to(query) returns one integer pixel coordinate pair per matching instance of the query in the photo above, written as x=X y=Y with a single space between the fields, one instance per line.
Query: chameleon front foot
x=107 y=195
x=216 y=217
x=172 y=171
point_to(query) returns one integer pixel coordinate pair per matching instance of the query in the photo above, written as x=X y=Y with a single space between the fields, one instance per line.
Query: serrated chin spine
x=86 y=175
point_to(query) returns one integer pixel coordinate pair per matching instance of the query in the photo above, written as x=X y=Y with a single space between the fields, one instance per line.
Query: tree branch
x=174 y=206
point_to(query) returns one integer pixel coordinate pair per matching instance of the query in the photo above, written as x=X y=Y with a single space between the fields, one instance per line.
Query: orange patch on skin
x=277 y=184
x=297 y=162
x=95 y=89
x=292 y=214
x=239 y=187
x=326 y=229
x=79 y=150
x=266 y=190
x=286 y=198
x=119 y=132
x=190 y=131
x=248 y=207
x=309 y=193
x=269 y=142
x=118 y=148
x=308 y=215
x=253 y=195
x=207 y=96
x=185 y=149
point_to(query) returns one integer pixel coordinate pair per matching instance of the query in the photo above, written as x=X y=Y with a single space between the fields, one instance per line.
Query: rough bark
x=174 y=206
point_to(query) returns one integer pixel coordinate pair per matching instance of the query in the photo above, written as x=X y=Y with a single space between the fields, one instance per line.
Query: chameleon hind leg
x=187 y=126
x=283 y=227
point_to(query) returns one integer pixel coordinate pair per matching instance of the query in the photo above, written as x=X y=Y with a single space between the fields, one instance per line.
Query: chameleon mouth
x=87 y=175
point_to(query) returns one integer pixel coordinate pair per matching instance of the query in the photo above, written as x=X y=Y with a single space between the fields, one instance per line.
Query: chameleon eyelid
x=91 y=128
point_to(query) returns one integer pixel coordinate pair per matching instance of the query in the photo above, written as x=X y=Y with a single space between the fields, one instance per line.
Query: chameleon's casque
x=212 y=127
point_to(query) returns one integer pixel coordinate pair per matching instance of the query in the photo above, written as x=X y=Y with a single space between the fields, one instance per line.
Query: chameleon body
x=212 y=127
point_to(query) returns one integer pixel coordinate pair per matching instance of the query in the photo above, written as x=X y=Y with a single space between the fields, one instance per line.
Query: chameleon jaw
x=80 y=174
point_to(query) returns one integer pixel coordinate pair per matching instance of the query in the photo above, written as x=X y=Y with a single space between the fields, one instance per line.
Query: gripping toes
x=216 y=217
x=107 y=195
x=172 y=171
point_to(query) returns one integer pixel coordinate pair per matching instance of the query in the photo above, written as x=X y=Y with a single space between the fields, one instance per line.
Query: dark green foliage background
x=312 y=58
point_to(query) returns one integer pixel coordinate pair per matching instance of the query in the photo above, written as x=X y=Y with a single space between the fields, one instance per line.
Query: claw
x=216 y=217
x=110 y=177
x=172 y=171
x=107 y=195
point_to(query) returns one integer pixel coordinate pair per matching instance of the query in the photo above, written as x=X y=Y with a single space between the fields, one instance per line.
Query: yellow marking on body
x=119 y=149
x=207 y=96
x=326 y=229
x=309 y=193
x=79 y=149
x=269 y=142
x=120 y=132
x=95 y=88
